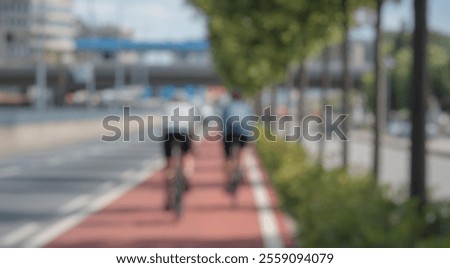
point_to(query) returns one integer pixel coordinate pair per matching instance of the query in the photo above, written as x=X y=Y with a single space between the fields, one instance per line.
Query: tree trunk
x=302 y=89
x=346 y=80
x=258 y=104
x=418 y=103
x=326 y=82
x=380 y=96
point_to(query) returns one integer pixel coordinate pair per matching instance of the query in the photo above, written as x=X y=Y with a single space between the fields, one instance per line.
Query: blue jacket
x=232 y=117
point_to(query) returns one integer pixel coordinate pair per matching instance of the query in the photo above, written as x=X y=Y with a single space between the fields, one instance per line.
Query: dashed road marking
x=75 y=204
x=54 y=161
x=107 y=186
x=9 y=172
x=14 y=237
x=95 y=151
x=128 y=174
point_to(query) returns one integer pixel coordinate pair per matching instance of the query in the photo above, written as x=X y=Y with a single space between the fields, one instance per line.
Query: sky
x=148 y=19
x=172 y=20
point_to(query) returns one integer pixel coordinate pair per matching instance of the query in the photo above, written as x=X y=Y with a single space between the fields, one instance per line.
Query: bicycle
x=179 y=181
x=236 y=176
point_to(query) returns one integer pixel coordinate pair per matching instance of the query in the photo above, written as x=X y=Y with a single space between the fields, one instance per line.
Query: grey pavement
x=44 y=193
x=439 y=145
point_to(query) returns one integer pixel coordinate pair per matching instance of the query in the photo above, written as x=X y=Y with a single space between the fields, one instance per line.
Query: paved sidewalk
x=209 y=220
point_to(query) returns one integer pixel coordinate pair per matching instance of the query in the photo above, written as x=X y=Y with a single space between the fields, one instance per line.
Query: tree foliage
x=253 y=41
x=399 y=78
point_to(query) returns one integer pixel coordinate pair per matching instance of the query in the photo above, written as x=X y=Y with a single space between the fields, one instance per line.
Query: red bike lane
x=137 y=219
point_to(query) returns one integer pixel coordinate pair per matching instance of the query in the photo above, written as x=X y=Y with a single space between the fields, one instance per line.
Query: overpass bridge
x=105 y=76
x=179 y=74
x=63 y=78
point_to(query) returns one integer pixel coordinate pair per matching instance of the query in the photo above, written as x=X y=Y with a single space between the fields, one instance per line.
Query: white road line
x=95 y=151
x=128 y=174
x=75 y=204
x=267 y=220
x=147 y=163
x=13 y=238
x=9 y=172
x=54 y=161
x=107 y=186
x=77 y=154
x=70 y=221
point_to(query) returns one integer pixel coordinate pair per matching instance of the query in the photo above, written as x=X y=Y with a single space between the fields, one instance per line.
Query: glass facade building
x=30 y=26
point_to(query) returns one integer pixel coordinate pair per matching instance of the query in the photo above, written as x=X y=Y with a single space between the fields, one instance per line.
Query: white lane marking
x=267 y=221
x=14 y=237
x=54 y=161
x=77 y=154
x=9 y=172
x=54 y=230
x=147 y=163
x=107 y=186
x=75 y=204
x=95 y=151
x=128 y=174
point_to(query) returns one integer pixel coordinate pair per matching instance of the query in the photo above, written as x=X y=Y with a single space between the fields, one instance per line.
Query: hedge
x=331 y=208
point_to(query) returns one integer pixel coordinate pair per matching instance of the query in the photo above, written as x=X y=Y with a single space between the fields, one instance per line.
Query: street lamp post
x=41 y=82
x=91 y=83
x=41 y=65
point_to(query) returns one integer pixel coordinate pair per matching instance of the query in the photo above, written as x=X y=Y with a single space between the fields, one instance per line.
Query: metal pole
x=41 y=66
x=41 y=82
x=91 y=84
x=119 y=75
x=326 y=84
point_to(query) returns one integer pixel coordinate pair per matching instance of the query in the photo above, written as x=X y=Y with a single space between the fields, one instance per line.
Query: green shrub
x=349 y=212
x=333 y=209
x=277 y=153
x=436 y=232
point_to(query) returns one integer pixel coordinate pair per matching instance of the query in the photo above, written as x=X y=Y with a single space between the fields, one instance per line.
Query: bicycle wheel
x=236 y=179
x=178 y=180
x=179 y=190
x=236 y=175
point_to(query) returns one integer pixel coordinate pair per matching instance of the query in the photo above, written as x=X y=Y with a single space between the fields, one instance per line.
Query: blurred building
x=101 y=34
x=27 y=26
x=103 y=31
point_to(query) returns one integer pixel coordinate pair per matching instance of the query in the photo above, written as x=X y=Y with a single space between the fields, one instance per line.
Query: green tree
x=253 y=42
x=439 y=71
x=398 y=46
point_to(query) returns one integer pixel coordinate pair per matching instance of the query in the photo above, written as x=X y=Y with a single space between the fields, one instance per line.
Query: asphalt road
x=45 y=193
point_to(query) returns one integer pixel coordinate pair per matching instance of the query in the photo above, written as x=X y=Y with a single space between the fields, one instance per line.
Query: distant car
x=402 y=128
